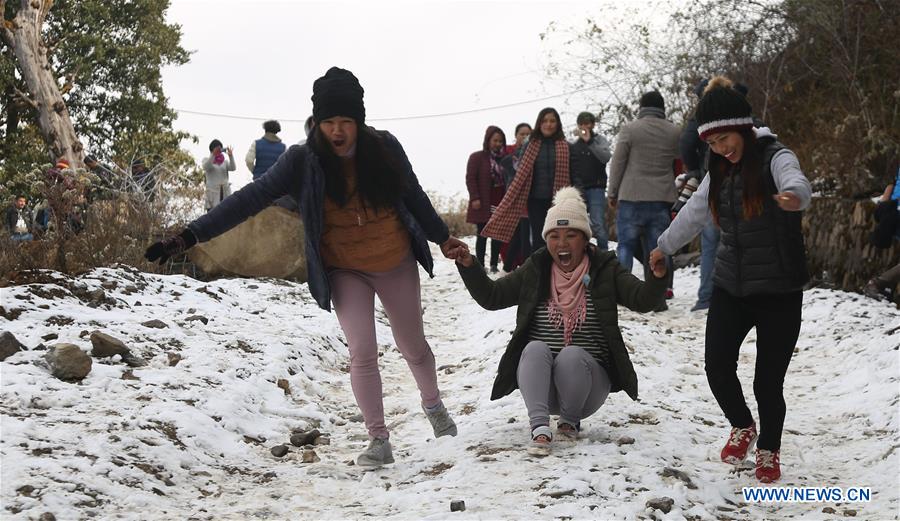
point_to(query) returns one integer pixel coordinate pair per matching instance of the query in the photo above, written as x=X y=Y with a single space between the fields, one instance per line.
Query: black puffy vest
x=764 y=254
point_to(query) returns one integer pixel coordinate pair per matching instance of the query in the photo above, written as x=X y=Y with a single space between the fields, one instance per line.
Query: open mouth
x=565 y=258
x=338 y=143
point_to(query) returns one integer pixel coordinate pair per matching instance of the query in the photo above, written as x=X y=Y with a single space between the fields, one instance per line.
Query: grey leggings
x=572 y=385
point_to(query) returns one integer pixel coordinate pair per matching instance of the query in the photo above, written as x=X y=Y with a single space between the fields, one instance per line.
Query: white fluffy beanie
x=568 y=211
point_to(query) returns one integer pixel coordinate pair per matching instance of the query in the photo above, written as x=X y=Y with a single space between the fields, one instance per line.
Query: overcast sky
x=258 y=59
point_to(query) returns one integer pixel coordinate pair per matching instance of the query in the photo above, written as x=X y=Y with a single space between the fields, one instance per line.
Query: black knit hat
x=722 y=108
x=338 y=93
x=214 y=143
x=653 y=99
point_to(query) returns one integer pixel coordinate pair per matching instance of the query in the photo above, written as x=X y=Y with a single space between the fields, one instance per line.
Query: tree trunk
x=23 y=35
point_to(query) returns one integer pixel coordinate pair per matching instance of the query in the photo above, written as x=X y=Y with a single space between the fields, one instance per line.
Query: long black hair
x=750 y=166
x=380 y=176
x=536 y=131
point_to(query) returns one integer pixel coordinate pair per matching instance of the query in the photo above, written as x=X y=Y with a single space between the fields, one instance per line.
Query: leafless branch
x=26 y=98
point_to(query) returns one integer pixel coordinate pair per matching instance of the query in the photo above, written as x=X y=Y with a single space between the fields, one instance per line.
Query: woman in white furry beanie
x=567 y=353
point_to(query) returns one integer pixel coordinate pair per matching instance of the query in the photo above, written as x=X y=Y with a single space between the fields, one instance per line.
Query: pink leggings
x=353 y=294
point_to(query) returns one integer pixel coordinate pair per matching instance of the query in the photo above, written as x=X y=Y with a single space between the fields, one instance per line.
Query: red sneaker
x=739 y=444
x=768 y=468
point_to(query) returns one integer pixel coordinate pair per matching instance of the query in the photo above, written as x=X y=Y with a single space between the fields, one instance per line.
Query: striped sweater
x=588 y=336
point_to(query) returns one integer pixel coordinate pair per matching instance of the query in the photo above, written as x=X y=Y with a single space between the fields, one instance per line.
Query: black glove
x=170 y=247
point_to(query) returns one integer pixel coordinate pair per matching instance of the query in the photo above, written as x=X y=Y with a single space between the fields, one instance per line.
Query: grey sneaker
x=541 y=437
x=566 y=432
x=377 y=454
x=441 y=422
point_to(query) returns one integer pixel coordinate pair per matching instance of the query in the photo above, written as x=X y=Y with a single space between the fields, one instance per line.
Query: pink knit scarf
x=568 y=304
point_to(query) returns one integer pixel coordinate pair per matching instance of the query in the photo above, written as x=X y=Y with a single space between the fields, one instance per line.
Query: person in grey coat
x=641 y=178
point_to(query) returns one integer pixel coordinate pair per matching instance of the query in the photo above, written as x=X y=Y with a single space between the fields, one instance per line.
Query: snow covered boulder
x=269 y=244
x=68 y=362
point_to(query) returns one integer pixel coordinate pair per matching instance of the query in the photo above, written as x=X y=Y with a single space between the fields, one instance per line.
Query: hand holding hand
x=161 y=251
x=463 y=256
x=612 y=202
x=658 y=263
x=787 y=201
x=450 y=247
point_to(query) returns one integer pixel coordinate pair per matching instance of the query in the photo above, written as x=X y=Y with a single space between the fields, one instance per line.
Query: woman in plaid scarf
x=542 y=171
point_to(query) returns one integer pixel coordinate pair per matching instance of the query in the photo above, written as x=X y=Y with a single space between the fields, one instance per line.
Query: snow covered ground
x=191 y=440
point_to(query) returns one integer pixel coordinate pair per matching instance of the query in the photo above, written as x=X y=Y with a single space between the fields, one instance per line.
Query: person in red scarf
x=484 y=179
x=567 y=353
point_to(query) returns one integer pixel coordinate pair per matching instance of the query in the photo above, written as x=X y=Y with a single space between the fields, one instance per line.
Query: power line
x=399 y=118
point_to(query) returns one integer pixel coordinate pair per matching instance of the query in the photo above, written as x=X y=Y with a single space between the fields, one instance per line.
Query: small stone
x=200 y=318
x=134 y=361
x=68 y=362
x=305 y=438
x=25 y=490
x=284 y=386
x=511 y=420
x=828 y=510
x=155 y=324
x=9 y=345
x=625 y=440
x=174 y=358
x=128 y=375
x=849 y=513
x=356 y=418
x=556 y=494
x=84 y=333
x=50 y=336
x=279 y=450
x=322 y=440
x=457 y=505
x=669 y=472
x=47 y=516
x=310 y=456
x=661 y=503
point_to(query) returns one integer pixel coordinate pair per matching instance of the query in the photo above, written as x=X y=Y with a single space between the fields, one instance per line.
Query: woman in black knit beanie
x=755 y=192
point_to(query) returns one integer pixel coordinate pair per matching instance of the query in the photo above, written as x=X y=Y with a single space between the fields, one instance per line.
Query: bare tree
x=23 y=35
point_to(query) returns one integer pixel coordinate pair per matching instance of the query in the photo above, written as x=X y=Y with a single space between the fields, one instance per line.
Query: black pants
x=777 y=321
x=537 y=214
x=481 y=246
x=519 y=246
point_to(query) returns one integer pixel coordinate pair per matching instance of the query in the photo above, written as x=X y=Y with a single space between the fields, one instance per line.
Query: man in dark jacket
x=588 y=156
x=19 y=221
x=693 y=155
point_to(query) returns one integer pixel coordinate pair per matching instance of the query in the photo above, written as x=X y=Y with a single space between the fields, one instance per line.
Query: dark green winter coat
x=529 y=285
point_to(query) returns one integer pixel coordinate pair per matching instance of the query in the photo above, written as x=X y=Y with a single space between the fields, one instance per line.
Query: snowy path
x=192 y=440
